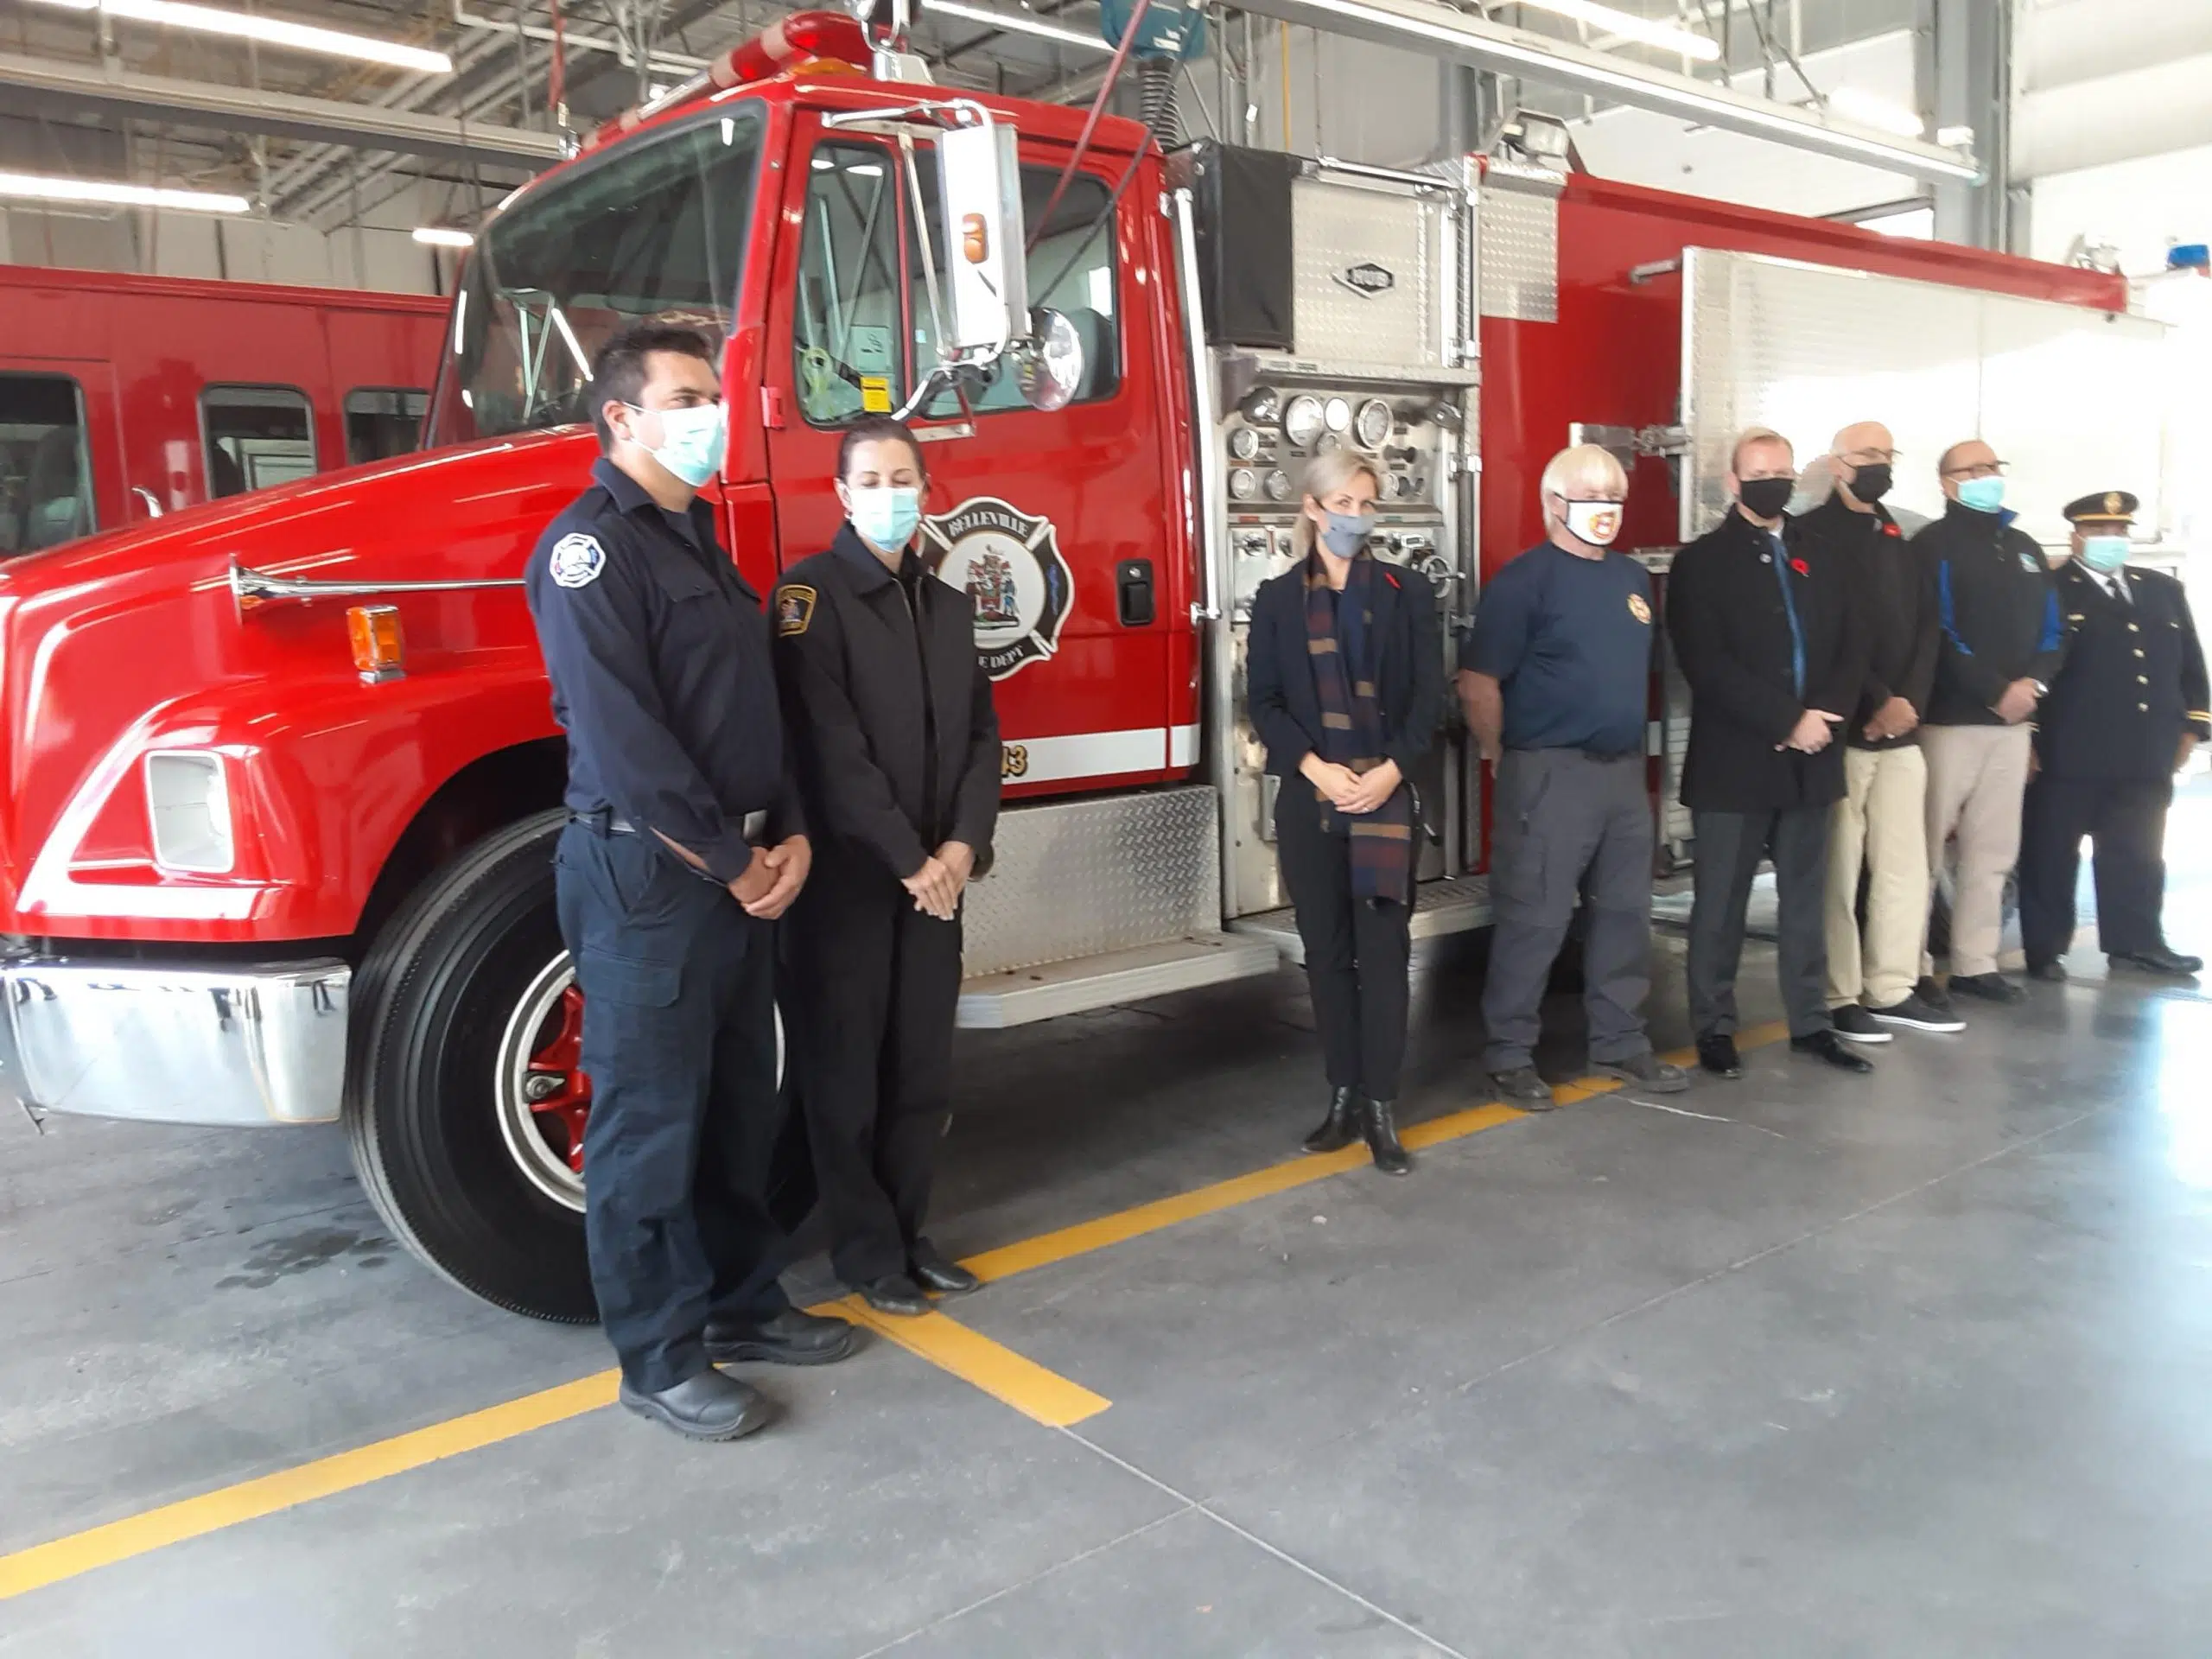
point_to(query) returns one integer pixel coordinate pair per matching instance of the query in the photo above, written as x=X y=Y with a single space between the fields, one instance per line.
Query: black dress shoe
x=1826 y=1046
x=1990 y=987
x=2050 y=973
x=894 y=1293
x=1717 y=1054
x=1378 y=1124
x=791 y=1338
x=1522 y=1087
x=2166 y=964
x=1933 y=994
x=937 y=1271
x=1340 y=1128
x=708 y=1407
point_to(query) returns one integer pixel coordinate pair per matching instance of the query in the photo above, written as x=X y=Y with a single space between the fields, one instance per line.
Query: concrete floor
x=1913 y=1366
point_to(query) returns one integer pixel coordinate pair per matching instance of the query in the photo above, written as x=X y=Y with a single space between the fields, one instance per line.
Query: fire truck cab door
x=1040 y=517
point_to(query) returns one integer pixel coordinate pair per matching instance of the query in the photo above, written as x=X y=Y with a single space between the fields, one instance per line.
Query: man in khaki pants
x=1881 y=827
x=2002 y=640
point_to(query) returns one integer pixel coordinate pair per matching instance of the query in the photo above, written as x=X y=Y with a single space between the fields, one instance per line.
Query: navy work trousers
x=680 y=1040
x=876 y=984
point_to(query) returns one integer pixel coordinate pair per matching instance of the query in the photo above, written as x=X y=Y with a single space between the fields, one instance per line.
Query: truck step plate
x=991 y=1001
x=1458 y=905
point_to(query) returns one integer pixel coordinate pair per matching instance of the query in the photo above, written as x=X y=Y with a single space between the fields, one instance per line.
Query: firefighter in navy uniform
x=2120 y=719
x=684 y=843
x=897 y=747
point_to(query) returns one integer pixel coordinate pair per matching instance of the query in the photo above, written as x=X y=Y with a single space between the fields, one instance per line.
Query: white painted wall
x=2099 y=81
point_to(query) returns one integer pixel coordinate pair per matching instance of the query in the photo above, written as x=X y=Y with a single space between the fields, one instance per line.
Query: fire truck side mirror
x=987 y=270
x=1051 y=361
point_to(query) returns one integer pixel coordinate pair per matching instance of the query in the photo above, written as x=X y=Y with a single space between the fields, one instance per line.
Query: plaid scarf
x=1340 y=638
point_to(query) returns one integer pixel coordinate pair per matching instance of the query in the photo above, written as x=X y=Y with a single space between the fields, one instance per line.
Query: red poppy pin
x=1800 y=567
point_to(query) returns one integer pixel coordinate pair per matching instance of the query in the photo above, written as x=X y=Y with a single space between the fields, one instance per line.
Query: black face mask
x=1766 y=497
x=1871 y=484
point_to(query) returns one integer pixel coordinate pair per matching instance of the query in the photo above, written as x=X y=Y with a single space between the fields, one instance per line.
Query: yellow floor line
x=997 y=1370
x=195 y=1517
x=1042 y=1396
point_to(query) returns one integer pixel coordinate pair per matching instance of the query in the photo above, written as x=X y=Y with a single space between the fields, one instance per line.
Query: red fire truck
x=124 y=397
x=283 y=779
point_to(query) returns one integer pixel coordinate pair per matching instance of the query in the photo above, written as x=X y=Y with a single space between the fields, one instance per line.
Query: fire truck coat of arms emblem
x=1009 y=562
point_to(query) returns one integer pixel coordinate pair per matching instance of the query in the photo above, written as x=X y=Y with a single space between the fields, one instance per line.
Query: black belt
x=606 y=821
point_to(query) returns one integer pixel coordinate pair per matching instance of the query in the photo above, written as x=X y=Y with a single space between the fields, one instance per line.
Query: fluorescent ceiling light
x=267 y=31
x=28 y=186
x=1877 y=111
x=1016 y=22
x=439 y=235
x=1627 y=26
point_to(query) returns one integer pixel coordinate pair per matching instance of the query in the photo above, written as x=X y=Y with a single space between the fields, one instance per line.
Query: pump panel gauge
x=1243 y=484
x=1261 y=407
x=1278 y=485
x=1372 y=425
x=1337 y=412
x=1243 y=444
x=1303 y=420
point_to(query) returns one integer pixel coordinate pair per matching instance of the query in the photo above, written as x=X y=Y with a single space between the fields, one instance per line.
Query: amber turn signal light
x=379 y=647
x=975 y=240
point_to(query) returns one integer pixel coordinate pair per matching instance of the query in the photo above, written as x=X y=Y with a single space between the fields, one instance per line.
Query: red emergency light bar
x=813 y=41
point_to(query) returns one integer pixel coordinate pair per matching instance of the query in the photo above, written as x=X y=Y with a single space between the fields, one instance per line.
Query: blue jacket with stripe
x=2000 y=613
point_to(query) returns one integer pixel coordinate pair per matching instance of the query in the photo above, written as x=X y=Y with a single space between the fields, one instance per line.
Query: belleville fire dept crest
x=1009 y=562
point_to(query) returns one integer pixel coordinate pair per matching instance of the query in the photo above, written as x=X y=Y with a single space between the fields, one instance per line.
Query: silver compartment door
x=2073 y=398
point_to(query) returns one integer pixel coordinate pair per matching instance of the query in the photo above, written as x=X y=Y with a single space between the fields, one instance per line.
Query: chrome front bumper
x=229 y=1047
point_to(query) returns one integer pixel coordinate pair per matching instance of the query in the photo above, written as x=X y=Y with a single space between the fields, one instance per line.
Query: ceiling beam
x=72 y=89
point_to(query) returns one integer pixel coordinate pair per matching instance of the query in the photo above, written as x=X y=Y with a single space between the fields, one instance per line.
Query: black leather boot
x=1382 y=1139
x=1340 y=1128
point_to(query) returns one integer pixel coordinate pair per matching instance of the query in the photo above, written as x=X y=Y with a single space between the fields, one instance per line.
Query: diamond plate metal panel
x=1807 y=349
x=1519 y=240
x=1340 y=231
x=1081 y=878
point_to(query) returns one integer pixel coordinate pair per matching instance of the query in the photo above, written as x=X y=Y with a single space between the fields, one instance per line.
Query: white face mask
x=1594 y=522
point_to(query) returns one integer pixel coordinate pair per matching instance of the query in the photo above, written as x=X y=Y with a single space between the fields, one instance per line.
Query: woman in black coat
x=1345 y=672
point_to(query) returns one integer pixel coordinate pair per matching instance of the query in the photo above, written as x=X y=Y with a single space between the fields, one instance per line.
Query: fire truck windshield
x=657 y=226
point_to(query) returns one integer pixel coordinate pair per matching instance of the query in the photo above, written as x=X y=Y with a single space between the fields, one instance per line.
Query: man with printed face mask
x=2001 y=643
x=1767 y=638
x=2122 y=717
x=1554 y=676
x=684 y=843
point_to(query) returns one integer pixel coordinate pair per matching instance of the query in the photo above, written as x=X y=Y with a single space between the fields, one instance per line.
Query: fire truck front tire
x=471 y=959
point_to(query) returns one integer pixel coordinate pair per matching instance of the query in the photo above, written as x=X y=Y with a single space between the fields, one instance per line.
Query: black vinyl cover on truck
x=1242 y=201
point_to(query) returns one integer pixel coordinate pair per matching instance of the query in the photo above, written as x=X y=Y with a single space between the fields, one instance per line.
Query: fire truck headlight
x=188 y=803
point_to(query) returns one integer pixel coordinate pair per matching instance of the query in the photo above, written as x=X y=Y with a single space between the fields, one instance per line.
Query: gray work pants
x=1563 y=822
x=1729 y=847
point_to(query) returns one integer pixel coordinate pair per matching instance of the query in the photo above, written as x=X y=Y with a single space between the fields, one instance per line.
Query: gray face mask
x=1345 y=534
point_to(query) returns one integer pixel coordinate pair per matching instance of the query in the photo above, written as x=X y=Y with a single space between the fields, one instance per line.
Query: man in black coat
x=2122 y=717
x=1769 y=641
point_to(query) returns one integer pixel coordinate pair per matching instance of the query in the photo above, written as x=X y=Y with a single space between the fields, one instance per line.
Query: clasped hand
x=1815 y=731
x=1353 y=792
x=938 y=885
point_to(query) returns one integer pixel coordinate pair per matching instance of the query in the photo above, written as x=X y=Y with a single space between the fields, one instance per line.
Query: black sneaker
x=1990 y=987
x=1646 y=1071
x=1856 y=1025
x=1520 y=1085
x=1913 y=1011
x=1934 y=995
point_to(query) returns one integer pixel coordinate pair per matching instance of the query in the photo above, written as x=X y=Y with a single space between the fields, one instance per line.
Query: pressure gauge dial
x=1372 y=425
x=1302 y=421
x=1261 y=407
x=1329 y=440
x=1278 y=485
x=1243 y=444
x=1243 y=484
x=1337 y=412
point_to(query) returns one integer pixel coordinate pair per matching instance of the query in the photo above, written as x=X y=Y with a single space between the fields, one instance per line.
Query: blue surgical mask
x=692 y=440
x=2104 y=554
x=1346 y=533
x=885 y=514
x=1982 y=495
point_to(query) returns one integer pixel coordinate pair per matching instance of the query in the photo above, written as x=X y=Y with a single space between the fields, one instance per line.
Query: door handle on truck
x=1133 y=595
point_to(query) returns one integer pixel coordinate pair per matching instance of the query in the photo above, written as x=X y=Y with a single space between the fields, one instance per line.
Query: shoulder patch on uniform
x=794 y=609
x=1640 y=608
x=576 y=560
x=2032 y=561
